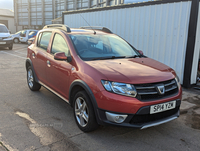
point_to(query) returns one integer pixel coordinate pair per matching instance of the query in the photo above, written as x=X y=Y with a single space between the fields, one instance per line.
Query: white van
x=6 y=39
x=24 y=35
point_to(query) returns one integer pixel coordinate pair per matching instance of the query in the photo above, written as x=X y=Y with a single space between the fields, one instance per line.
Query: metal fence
x=160 y=29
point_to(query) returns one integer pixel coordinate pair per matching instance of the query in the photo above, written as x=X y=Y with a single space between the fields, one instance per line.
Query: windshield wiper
x=112 y=57
x=135 y=56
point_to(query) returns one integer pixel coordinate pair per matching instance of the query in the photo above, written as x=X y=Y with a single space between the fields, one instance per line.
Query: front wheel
x=32 y=84
x=84 y=112
x=16 y=40
x=11 y=47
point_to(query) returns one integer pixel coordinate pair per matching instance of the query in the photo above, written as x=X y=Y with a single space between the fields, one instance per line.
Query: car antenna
x=88 y=24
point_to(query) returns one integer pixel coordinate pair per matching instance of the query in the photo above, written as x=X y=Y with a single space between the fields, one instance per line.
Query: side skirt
x=54 y=92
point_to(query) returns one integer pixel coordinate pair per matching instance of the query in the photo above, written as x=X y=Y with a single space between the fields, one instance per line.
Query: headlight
x=178 y=81
x=120 y=88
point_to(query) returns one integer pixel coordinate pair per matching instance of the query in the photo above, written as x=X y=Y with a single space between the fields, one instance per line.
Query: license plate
x=162 y=107
x=2 y=42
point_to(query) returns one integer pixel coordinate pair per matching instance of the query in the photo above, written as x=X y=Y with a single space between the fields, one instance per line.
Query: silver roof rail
x=58 y=26
x=104 y=29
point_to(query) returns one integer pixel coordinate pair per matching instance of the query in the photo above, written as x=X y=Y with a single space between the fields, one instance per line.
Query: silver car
x=16 y=36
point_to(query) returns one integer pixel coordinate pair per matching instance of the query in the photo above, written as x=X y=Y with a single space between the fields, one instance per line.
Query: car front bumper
x=137 y=112
x=6 y=43
x=142 y=119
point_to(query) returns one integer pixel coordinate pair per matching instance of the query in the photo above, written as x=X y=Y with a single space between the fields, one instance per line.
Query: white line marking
x=18 y=50
x=13 y=55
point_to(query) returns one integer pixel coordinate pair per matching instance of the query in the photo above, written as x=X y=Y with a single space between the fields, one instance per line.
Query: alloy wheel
x=81 y=112
x=30 y=78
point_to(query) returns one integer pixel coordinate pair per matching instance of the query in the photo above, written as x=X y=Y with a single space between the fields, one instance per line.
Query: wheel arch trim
x=28 y=60
x=82 y=84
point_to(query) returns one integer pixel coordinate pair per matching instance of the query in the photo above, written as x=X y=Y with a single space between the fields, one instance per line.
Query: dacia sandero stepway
x=104 y=78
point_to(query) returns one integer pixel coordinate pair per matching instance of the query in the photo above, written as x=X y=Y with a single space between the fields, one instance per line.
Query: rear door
x=39 y=55
x=58 y=72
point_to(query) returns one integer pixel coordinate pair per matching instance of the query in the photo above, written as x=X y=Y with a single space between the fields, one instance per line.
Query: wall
x=11 y=23
x=196 y=51
x=160 y=31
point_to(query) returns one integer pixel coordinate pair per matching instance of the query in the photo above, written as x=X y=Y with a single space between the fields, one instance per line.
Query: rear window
x=43 y=40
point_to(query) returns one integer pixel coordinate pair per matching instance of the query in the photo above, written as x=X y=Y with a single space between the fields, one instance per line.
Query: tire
x=84 y=112
x=32 y=84
x=11 y=47
x=16 y=40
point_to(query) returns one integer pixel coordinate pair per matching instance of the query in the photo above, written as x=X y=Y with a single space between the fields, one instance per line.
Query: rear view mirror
x=62 y=56
x=141 y=52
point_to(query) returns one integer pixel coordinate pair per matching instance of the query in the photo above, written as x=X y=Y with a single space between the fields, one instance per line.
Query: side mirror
x=62 y=56
x=141 y=52
x=9 y=31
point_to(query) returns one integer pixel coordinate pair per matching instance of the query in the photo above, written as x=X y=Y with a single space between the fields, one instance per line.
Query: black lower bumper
x=143 y=119
x=8 y=43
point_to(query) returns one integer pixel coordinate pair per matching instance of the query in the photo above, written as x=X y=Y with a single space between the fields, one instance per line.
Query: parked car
x=32 y=34
x=16 y=36
x=30 y=41
x=103 y=77
x=5 y=37
x=24 y=35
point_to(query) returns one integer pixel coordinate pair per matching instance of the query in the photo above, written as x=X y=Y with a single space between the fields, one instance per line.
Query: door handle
x=48 y=63
x=33 y=55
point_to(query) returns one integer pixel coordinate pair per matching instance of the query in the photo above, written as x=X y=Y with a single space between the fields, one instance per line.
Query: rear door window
x=43 y=40
x=59 y=45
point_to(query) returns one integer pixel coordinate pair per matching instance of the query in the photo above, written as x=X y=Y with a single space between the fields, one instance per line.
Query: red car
x=103 y=77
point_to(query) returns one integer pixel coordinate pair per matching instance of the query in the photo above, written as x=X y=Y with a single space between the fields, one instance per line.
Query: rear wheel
x=84 y=112
x=32 y=84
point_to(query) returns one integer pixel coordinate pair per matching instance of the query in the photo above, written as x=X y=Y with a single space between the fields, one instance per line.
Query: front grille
x=149 y=92
x=145 y=118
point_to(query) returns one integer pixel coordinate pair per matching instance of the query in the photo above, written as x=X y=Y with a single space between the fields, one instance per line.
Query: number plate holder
x=162 y=107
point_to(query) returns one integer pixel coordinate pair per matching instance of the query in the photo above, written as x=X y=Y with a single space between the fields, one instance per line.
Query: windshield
x=3 y=29
x=18 y=32
x=95 y=47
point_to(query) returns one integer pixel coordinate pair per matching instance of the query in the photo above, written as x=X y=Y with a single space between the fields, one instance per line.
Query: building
x=37 y=13
x=7 y=18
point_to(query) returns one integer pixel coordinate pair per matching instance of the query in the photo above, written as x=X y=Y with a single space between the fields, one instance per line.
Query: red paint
x=59 y=74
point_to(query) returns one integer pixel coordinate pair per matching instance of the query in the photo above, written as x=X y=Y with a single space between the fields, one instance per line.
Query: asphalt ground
x=42 y=121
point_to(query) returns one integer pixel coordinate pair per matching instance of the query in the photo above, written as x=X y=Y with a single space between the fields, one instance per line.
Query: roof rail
x=59 y=26
x=104 y=29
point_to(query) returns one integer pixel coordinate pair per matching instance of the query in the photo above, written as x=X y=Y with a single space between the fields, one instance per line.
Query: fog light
x=117 y=118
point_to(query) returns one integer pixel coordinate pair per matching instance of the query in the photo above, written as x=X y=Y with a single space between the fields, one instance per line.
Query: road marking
x=8 y=147
x=18 y=50
x=13 y=55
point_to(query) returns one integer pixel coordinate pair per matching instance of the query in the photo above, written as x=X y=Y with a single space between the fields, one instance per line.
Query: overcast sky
x=7 y=4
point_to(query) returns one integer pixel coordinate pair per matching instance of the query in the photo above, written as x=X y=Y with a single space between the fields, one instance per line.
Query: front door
x=58 y=72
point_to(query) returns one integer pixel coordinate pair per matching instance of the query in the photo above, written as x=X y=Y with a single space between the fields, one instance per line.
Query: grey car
x=5 y=37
